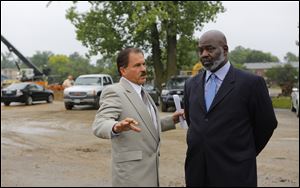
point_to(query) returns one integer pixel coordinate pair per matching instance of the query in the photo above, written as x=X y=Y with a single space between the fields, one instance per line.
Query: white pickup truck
x=86 y=90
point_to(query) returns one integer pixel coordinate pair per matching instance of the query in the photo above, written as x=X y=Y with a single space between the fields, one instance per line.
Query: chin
x=141 y=82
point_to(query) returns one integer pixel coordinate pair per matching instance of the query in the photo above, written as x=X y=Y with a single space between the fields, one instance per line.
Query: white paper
x=178 y=108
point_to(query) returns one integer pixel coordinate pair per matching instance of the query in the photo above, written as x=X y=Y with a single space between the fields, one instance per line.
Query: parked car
x=153 y=92
x=86 y=90
x=295 y=101
x=174 y=86
x=25 y=92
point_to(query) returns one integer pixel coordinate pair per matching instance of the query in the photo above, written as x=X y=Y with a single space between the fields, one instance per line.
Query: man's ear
x=225 y=47
x=122 y=70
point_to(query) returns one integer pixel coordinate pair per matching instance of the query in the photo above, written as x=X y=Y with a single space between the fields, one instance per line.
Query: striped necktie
x=150 y=108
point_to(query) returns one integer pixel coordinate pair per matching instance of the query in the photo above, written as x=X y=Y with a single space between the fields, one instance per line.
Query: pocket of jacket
x=128 y=156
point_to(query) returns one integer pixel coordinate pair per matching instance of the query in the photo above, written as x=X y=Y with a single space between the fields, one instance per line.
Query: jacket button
x=206 y=119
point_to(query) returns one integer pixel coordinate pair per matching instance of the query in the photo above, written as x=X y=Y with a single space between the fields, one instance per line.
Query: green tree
x=153 y=26
x=290 y=57
x=79 y=65
x=59 y=65
x=187 y=55
x=40 y=59
x=106 y=66
x=7 y=61
x=285 y=77
x=241 y=55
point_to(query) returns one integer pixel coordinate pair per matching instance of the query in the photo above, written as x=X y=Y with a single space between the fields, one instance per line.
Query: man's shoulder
x=196 y=78
x=246 y=74
x=116 y=87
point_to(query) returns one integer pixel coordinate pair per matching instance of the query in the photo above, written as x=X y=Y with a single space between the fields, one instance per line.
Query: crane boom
x=37 y=71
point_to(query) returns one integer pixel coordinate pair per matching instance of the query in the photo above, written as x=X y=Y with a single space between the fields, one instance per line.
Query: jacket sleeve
x=108 y=114
x=262 y=114
x=186 y=102
x=167 y=123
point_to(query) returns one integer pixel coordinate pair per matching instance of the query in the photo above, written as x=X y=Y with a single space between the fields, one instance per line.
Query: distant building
x=261 y=68
x=10 y=73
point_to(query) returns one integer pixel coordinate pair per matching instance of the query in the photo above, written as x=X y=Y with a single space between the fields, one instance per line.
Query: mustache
x=205 y=59
x=143 y=73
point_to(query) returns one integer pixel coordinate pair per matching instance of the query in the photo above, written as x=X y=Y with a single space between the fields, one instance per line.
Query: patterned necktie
x=149 y=107
x=211 y=90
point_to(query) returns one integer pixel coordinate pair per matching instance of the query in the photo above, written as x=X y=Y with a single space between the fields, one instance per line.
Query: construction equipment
x=32 y=73
x=196 y=68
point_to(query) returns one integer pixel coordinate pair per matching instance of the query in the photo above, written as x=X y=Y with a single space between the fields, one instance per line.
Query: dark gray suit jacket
x=223 y=143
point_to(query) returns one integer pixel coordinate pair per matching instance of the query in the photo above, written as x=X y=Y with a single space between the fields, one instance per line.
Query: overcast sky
x=266 y=26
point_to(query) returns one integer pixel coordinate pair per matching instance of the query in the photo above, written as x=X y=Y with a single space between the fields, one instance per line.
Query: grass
x=281 y=102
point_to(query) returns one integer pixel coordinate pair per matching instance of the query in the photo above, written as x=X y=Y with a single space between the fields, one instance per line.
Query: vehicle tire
x=50 y=99
x=292 y=107
x=6 y=103
x=157 y=102
x=164 y=107
x=28 y=100
x=68 y=106
x=97 y=105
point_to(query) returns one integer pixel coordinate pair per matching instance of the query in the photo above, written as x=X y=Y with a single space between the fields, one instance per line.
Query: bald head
x=214 y=36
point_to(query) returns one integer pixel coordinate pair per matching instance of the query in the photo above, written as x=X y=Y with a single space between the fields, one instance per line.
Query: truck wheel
x=97 y=105
x=6 y=103
x=292 y=107
x=68 y=106
x=164 y=107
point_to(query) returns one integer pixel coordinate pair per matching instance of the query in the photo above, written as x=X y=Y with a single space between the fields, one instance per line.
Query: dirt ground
x=45 y=145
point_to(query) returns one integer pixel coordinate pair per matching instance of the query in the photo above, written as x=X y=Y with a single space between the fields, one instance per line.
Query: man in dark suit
x=230 y=118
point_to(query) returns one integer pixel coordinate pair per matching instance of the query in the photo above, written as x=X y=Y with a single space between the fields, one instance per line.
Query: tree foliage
x=154 y=26
x=7 y=61
x=61 y=66
x=290 y=57
x=241 y=55
x=285 y=77
x=40 y=59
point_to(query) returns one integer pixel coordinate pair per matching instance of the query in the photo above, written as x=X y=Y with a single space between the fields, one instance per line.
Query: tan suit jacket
x=135 y=155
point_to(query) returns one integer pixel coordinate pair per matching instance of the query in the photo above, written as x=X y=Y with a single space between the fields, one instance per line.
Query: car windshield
x=88 y=81
x=17 y=86
x=176 y=83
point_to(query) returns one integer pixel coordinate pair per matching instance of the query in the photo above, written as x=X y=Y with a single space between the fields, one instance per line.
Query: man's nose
x=204 y=53
x=143 y=67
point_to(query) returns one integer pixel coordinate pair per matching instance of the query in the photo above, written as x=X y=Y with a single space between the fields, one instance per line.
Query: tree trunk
x=171 y=52
x=156 y=55
x=171 y=40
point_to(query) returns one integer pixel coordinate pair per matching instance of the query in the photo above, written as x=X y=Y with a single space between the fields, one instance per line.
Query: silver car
x=295 y=101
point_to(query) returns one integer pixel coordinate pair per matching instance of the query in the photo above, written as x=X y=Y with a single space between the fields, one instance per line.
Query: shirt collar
x=136 y=87
x=221 y=73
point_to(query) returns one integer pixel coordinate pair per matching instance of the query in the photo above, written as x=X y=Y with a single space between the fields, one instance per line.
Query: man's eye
x=210 y=49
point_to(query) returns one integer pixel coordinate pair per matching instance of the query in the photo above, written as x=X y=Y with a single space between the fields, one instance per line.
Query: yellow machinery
x=196 y=68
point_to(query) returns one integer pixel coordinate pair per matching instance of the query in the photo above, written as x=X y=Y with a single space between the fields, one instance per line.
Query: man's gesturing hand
x=126 y=125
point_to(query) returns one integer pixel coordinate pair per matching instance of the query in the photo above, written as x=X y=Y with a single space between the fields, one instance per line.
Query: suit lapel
x=140 y=108
x=199 y=89
x=156 y=113
x=226 y=87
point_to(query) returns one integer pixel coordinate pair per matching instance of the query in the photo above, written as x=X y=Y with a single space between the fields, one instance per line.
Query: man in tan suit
x=128 y=116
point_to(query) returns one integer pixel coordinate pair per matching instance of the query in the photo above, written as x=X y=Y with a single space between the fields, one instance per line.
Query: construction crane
x=33 y=73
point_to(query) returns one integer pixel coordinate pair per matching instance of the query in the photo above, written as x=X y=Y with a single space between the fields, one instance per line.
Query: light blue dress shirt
x=220 y=75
